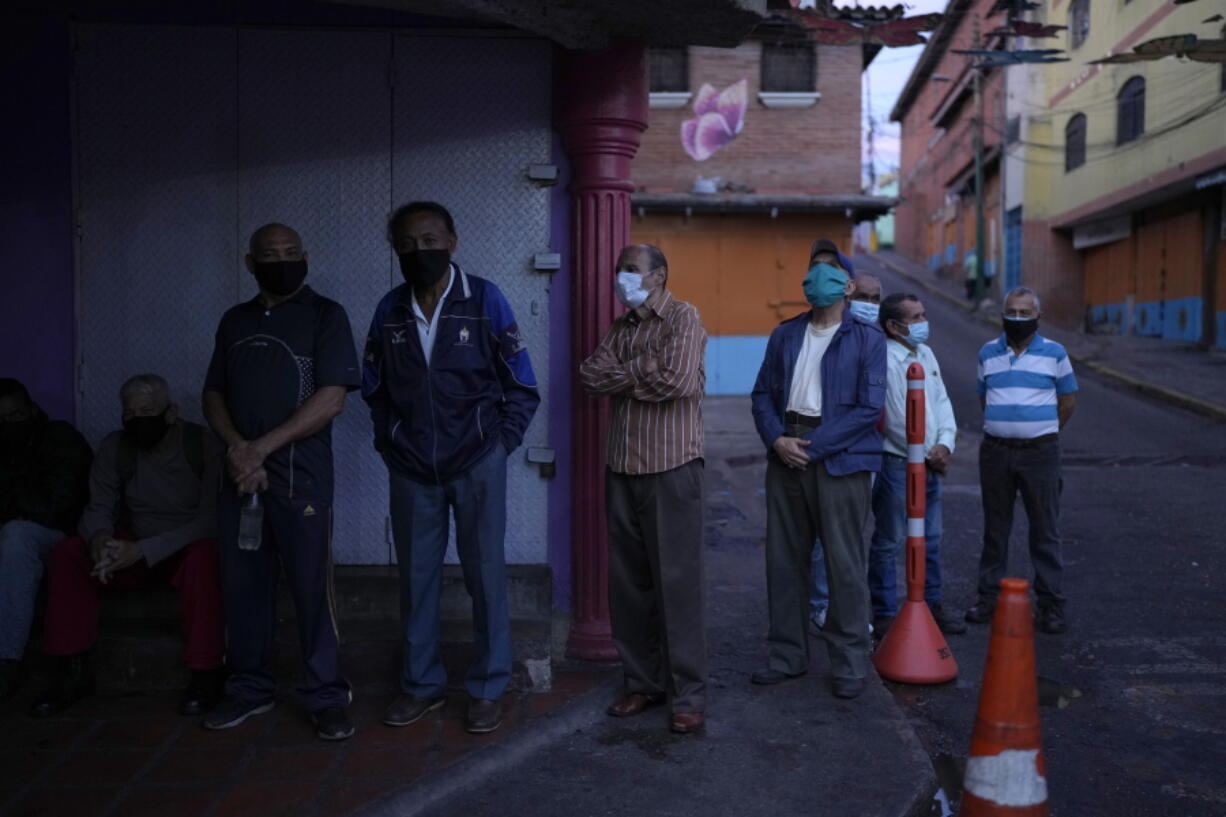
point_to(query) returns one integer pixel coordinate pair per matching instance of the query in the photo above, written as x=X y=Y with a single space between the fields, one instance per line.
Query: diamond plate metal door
x=314 y=153
x=156 y=208
x=469 y=117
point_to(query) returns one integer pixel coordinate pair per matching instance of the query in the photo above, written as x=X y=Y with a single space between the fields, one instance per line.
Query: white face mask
x=629 y=288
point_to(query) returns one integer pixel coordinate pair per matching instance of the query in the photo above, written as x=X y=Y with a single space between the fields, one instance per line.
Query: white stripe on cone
x=915 y=528
x=1010 y=778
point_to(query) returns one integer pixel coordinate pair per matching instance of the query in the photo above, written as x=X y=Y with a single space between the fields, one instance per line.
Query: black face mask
x=13 y=436
x=146 y=432
x=281 y=277
x=1018 y=330
x=421 y=268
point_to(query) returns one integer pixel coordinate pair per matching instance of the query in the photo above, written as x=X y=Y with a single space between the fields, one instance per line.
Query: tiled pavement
x=131 y=755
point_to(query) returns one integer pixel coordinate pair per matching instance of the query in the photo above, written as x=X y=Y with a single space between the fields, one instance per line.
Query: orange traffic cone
x=1005 y=774
x=913 y=650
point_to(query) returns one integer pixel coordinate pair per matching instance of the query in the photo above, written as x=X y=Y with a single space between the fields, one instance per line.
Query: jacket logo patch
x=399 y=336
x=309 y=510
x=463 y=337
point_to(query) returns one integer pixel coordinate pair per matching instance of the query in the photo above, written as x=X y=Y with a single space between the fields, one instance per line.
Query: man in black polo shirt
x=282 y=365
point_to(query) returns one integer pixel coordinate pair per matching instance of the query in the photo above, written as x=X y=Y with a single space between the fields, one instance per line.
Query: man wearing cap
x=816 y=404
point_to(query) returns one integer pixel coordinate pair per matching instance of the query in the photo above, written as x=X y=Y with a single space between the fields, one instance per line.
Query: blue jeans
x=890 y=515
x=23 y=549
x=420 y=520
x=819 y=596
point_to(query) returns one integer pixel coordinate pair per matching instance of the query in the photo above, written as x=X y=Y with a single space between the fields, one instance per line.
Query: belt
x=793 y=418
x=1011 y=442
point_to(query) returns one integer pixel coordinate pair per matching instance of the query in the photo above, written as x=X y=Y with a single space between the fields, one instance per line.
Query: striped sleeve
x=1066 y=381
x=678 y=361
x=981 y=385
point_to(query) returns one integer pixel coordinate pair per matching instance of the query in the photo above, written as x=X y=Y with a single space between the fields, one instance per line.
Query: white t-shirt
x=427 y=329
x=806 y=394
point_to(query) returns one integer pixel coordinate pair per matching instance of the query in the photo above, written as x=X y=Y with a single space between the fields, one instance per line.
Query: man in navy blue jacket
x=451 y=392
x=816 y=404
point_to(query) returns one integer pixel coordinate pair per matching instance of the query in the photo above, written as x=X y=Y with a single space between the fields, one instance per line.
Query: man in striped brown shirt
x=651 y=364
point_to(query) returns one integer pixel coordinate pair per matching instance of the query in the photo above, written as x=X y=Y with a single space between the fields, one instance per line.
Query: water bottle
x=251 y=523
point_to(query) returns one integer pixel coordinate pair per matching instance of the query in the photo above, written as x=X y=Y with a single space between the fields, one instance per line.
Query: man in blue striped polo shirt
x=1028 y=393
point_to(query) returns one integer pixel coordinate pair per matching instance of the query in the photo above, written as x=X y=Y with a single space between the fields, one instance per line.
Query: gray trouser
x=1005 y=470
x=802 y=506
x=23 y=549
x=420 y=518
x=656 y=582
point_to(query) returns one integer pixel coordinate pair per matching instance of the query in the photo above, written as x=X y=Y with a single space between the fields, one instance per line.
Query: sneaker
x=231 y=712
x=982 y=611
x=333 y=723
x=945 y=622
x=1051 y=619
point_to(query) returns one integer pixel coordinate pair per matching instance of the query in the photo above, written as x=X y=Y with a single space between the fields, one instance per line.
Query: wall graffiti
x=719 y=117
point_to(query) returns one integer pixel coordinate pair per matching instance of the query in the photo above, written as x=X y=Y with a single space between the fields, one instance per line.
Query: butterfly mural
x=719 y=117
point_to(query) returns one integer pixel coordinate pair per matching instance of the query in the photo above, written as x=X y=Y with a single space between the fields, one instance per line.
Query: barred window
x=1075 y=143
x=789 y=67
x=1079 y=21
x=1130 y=111
x=670 y=70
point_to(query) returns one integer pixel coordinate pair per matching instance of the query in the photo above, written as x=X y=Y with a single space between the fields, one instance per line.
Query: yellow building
x=1119 y=170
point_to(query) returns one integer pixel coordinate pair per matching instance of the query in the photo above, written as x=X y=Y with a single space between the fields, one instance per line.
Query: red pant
x=72 y=598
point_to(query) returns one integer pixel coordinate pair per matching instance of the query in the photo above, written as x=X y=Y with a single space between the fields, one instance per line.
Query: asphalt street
x=1145 y=557
x=1134 y=693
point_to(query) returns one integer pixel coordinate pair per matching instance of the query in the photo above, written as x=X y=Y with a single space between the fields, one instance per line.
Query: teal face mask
x=824 y=285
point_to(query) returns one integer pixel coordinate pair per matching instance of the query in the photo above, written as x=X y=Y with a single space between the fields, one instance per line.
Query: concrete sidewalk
x=1176 y=372
x=768 y=751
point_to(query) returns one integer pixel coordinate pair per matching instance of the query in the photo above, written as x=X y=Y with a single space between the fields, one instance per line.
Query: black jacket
x=46 y=480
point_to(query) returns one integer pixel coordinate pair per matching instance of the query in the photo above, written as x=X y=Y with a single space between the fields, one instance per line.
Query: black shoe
x=231 y=712
x=483 y=716
x=945 y=622
x=767 y=677
x=408 y=709
x=1051 y=619
x=74 y=680
x=10 y=678
x=202 y=693
x=847 y=687
x=982 y=611
x=333 y=723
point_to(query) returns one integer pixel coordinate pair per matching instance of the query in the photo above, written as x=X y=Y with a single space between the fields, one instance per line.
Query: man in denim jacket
x=817 y=403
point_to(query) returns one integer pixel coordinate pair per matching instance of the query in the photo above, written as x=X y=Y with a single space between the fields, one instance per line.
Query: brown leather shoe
x=633 y=704
x=686 y=722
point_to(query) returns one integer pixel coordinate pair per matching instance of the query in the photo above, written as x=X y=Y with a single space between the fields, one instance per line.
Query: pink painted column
x=602 y=111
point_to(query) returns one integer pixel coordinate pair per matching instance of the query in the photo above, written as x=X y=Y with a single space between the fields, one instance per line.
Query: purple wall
x=561 y=372
x=37 y=326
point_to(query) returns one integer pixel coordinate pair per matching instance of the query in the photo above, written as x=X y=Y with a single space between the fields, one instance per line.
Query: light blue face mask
x=865 y=311
x=919 y=333
x=825 y=285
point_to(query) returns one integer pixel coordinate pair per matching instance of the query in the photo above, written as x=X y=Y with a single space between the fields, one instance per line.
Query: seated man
x=151 y=518
x=44 y=473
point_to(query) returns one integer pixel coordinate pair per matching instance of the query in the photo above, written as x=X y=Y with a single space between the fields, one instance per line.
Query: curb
x=431 y=792
x=1170 y=396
